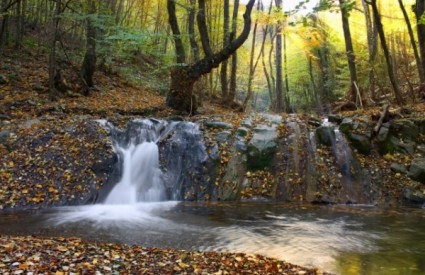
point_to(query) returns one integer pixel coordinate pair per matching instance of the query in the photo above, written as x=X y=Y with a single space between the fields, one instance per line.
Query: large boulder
x=405 y=129
x=361 y=143
x=262 y=147
x=325 y=135
x=417 y=170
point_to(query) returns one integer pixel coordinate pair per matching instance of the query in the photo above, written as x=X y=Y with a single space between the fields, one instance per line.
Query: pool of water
x=338 y=239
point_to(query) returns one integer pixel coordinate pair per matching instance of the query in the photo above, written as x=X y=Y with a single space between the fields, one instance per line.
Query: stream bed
x=338 y=239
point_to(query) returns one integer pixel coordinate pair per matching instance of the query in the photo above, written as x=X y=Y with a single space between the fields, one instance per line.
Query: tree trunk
x=251 y=64
x=349 y=51
x=53 y=74
x=384 y=46
x=233 y=71
x=191 y=28
x=226 y=39
x=373 y=49
x=279 y=75
x=180 y=96
x=419 y=11
x=89 y=63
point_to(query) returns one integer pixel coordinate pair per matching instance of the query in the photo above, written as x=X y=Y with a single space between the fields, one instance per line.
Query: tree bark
x=178 y=43
x=89 y=63
x=180 y=95
x=349 y=50
x=226 y=39
x=279 y=75
x=233 y=71
x=53 y=74
x=419 y=11
x=390 y=69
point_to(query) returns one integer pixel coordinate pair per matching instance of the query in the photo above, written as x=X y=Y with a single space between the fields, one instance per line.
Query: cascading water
x=141 y=176
x=141 y=179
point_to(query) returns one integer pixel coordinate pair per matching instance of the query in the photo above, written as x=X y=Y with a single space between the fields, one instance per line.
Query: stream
x=338 y=239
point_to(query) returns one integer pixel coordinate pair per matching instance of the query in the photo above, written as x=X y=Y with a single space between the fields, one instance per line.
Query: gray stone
x=223 y=137
x=361 y=143
x=241 y=146
x=30 y=123
x=393 y=144
x=417 y=170
x=262 y=147
x=218 y=125
x=4 y=135
x=325 y=135
x=415 y=196
x=176 y=118
x=335 y=118
x=421 y=125
x=405 y=129
x=242 y=131
x=383 y=133
x=346 y=125
x=247 y=123
x=37 y=87
x=3 y=79
x=398 y=168
x=4 y=117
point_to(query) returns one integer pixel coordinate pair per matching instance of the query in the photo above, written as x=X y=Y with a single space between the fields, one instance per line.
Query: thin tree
x=413 y=42
x=89 y=63
x=390 y=69
x=53 y=74
x=419 y=12
x=226 y=40
x=233 y=70
x=349 y=51
x=280 y=106
x=183 y=76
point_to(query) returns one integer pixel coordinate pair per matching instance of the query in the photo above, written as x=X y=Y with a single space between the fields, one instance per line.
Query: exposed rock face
x=325 y=135
x=417 y=170
x=262 y=147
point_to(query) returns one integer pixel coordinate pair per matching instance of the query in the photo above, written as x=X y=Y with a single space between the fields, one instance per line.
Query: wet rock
x=4 y=135
x=176 y=118
x=393 y=144
x=405 y=129
x=218 y=125
x=4 y=117
x=241 y=145
x=398 y=168
x=346 y=125
x=421 y=126
x=262 y=147
x=417 y=170
x=3 y=79
x=223 y=137
x=242 y=131
x=29 y=123
x=335 y=118
x=247 y=123
x=361 y=143
x=383 y=132
x=325 y=135
x=414 y=196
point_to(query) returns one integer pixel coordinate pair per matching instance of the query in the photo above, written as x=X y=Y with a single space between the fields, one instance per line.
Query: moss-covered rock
x=361 y=143
x=325 y=135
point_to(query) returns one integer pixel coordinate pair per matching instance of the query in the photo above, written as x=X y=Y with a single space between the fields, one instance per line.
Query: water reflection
x=340 y=239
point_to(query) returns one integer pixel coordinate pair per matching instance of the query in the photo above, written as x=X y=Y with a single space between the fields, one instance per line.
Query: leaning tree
x=183 y=76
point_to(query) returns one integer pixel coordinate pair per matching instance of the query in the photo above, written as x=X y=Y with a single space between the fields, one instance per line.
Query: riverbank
x=20 y=255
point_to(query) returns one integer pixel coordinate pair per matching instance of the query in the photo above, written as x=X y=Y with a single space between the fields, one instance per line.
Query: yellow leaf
x=25 y=191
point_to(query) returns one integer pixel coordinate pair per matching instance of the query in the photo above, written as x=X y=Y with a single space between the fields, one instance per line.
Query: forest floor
x=27 y=114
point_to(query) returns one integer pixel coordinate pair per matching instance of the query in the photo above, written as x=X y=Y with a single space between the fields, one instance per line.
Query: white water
x=141 y=179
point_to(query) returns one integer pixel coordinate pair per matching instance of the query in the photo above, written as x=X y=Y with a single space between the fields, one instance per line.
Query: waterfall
x=142 y=146
x=141 y=179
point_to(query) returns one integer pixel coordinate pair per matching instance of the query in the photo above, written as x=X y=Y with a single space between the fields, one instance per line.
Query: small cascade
x=158 y=161
x=351 y=178
x=138 y=150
